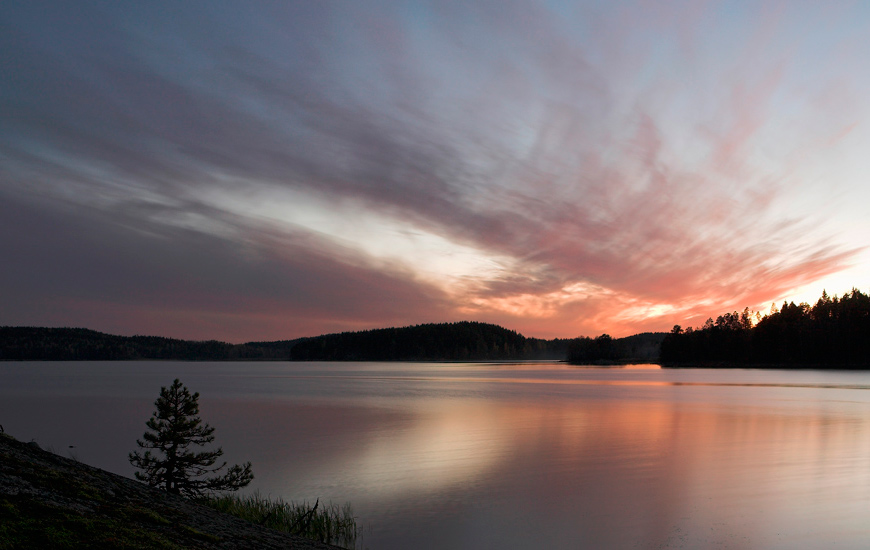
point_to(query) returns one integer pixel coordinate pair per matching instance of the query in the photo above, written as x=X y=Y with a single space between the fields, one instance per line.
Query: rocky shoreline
x=48 y=501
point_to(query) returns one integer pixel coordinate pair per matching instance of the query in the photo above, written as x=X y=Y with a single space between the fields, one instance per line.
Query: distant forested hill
x=639 y=348
x=464 y=341
x=79 y=344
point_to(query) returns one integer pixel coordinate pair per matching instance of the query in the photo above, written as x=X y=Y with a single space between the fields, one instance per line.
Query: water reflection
x=477 y=456
x=598 y=473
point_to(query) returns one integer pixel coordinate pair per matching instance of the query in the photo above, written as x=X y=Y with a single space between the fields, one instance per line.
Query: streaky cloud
x=613 y=169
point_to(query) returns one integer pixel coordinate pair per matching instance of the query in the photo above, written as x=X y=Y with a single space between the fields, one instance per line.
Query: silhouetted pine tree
x=176 y=430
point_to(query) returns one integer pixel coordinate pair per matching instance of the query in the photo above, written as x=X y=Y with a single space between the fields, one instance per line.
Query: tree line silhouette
x=463 y=341
x=79 y=344
x=604 y=349
x=835 y=332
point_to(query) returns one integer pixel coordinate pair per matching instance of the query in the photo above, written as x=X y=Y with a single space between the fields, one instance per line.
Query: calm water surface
x=503 y=455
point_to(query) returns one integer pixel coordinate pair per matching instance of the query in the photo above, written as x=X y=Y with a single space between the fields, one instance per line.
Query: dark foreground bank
x=48 y=501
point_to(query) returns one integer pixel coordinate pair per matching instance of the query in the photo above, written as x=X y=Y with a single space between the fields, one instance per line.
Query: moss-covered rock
x=48 y=501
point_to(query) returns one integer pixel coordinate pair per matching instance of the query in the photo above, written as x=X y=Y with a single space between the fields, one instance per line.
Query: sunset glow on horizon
x=268 y=171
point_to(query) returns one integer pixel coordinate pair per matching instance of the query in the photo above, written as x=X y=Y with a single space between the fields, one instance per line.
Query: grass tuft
x=328 y=523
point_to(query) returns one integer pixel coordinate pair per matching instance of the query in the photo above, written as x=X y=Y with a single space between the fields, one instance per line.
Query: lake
x=506 y=456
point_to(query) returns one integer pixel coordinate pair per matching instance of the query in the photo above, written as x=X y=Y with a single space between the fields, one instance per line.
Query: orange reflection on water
x=693 y=465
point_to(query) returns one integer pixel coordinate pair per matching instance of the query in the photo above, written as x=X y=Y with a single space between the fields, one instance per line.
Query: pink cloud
x=643 y=151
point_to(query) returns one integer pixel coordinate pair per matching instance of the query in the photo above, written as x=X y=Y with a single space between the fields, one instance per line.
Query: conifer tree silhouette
x=176 y=431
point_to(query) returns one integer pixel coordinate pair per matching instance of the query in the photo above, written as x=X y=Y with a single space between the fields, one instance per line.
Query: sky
x=249 y=171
